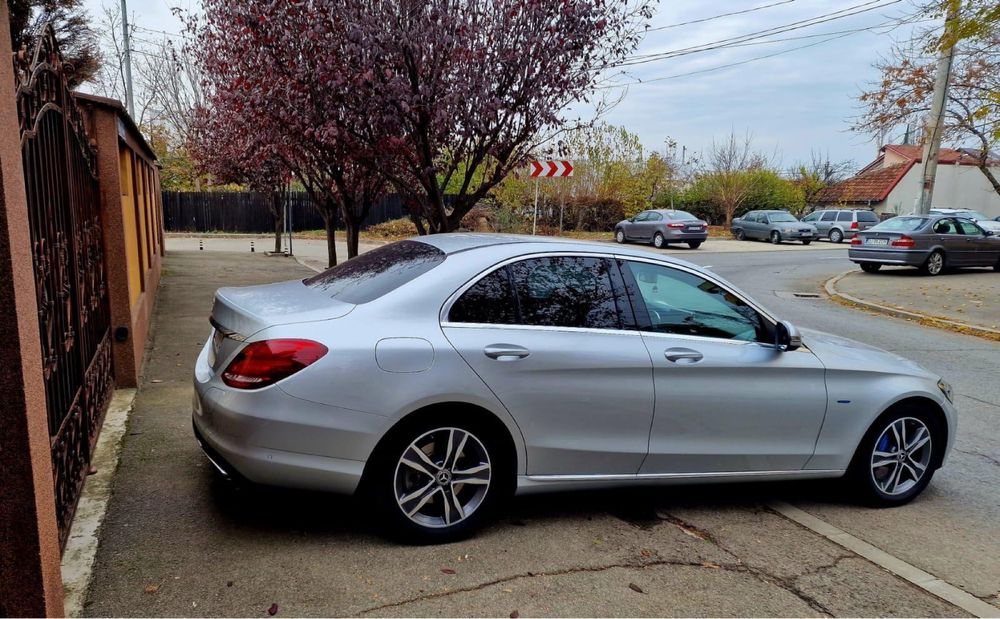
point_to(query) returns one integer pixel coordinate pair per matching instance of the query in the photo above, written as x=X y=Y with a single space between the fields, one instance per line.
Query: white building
x=891 y=184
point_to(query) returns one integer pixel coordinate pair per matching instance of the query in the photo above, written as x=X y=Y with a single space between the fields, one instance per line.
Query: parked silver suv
x=840 y=224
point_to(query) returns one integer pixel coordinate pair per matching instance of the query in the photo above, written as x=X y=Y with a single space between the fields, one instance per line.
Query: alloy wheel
x=836 y=236
x=620 y=236
x=776 y=237
x=658 y=240
x=442 y=477
x=901 y=456
x=935 y=263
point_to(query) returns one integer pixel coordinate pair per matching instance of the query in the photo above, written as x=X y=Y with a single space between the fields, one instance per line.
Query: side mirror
x=989 y=232
x=631 y=220
x=786 y=336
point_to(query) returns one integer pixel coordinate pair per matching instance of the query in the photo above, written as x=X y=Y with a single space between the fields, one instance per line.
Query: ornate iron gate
x=60 y=176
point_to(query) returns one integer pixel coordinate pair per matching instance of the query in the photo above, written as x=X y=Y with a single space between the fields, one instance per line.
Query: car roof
x=517 y=244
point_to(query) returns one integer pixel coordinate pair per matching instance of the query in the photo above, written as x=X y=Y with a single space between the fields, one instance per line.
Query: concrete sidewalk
x=177 y=541
x=969 y=296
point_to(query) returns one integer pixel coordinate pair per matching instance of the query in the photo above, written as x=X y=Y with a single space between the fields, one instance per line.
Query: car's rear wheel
x=440 y=479
x=898 y=456
x=934 y=263
x=836 y=236
x=694 y=244
x=658 y=240
x=620 y=235
x=740 y=235
x=775 y=237
x=996 y=267
x=870 y=267
x=806 y=242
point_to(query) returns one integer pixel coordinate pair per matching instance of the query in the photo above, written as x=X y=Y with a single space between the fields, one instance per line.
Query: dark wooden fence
x=247 y=211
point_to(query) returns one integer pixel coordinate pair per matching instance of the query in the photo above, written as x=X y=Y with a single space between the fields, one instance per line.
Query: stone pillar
x=30 y=581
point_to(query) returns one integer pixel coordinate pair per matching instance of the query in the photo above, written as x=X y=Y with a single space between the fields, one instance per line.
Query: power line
x=733 y=41
x=705 y=19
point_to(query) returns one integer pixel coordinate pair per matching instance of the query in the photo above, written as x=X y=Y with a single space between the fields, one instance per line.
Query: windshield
x=377 y=272
x=974 y=215
x=780 y=218
x=899 y=224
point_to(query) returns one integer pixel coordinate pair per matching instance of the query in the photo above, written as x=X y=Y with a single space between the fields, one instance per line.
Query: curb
x=926 y=319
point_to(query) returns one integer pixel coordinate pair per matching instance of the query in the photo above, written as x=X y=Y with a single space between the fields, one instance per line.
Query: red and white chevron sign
x=551 y=168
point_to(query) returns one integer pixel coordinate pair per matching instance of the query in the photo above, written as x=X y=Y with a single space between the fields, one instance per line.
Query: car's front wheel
x=806 y=242
x=898 y=456
x=620 y=235
x=776 y=237
x=740 y=235
x=870 y=267
x=440 y=479
x=694 y=244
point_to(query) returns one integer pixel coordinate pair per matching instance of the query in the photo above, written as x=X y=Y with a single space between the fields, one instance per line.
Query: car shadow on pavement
x=910 y=272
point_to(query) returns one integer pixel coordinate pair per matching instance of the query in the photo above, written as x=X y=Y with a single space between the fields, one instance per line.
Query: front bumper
x=905 y=257
x=796 y=235
x=270 y=437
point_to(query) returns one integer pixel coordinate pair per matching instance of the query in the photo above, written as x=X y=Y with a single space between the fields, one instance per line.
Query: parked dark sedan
x=931 y=243
x=662 y=227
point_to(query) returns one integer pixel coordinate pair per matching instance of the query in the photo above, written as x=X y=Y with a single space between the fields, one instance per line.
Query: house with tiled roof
x=891 y=184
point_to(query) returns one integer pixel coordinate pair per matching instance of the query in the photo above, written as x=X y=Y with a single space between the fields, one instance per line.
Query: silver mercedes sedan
x=438 y=376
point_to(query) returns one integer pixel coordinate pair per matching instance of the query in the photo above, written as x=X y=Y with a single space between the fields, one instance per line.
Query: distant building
x=891 y=184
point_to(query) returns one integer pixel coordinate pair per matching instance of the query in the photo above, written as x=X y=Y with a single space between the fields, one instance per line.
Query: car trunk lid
x=239 y=313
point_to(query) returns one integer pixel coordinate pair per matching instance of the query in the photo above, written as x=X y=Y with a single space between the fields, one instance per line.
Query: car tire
x=996 y=267
x=658 y=241
x=775 y=237
x=806 y=242
x=434 y=516
x=836 y=236
x=935 y=263
x=740 y=235
x=620 y=236
x=694 y=244
x=870 y=267
x=899 y=479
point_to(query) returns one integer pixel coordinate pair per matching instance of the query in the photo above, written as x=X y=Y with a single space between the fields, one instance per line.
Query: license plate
x=883 y=242
x=806 y=232
x=694 y=228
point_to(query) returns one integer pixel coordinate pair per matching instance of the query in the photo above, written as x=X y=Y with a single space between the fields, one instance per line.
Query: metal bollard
x=251 y=247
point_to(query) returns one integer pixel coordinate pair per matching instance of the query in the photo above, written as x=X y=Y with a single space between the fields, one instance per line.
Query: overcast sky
x=794 y=102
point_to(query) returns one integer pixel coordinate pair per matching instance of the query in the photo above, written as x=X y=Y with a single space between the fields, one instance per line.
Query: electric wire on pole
x=128 y=62
x=935 y=121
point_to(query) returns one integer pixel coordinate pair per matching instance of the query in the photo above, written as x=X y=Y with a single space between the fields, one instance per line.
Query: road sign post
x=548 y=169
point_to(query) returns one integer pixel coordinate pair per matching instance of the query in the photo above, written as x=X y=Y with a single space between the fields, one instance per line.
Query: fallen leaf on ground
x=635 y=587
x=646 y=552
x=515 y=615
x=151 y=589
x=447 y=570
x=229 y=584
x=273 y=610
x=710 y=565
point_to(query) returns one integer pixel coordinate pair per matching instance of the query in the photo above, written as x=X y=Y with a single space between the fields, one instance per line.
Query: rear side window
x=867 y=216
x=377 y=272
x=565 y=291
x=845 y=216
x=489 y=301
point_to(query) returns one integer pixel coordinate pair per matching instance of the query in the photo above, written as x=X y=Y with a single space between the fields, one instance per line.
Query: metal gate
x=60 y=176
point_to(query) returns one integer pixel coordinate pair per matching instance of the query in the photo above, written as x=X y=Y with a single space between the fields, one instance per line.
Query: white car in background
x=984 y=222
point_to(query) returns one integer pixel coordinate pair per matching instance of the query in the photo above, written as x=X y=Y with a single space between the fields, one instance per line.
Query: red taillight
x=854 y=225
x=263 y=363
x=675 y=225
x=903 y=241
x=856 y=241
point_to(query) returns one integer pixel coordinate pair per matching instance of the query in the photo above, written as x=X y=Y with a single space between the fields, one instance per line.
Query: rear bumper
x=906 y=257
x=682 y=236
x=270 y=437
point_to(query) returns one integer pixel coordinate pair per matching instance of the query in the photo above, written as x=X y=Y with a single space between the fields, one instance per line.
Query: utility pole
x=935 y=122
x=129 y=102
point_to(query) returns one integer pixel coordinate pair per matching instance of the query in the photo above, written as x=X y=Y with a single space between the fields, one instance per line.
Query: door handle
x=506 y=352
x=682 y=355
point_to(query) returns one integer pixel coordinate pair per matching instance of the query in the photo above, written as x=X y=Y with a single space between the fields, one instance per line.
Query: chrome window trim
x=490 y=325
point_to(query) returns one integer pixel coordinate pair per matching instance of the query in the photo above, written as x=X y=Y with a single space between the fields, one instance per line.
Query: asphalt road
x=178 y=542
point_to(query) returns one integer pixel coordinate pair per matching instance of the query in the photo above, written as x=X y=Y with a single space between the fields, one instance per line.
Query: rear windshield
x=376 y=272
x=867 y=216
x=680 y=215
x=900 y=224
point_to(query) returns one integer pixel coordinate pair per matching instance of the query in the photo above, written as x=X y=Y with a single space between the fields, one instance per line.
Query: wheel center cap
x=443 y=477
x=900 y=456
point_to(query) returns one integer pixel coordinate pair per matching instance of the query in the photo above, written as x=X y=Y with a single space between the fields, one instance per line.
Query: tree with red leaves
x=417 y=94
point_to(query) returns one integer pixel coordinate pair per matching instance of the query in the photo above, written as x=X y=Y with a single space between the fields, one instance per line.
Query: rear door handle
x=682 y=355
x=506 y=352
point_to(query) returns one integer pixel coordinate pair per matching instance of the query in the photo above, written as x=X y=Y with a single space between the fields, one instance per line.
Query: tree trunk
x=985 y=169
x=353 y=229
x=330 y=222
x=279 y=219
